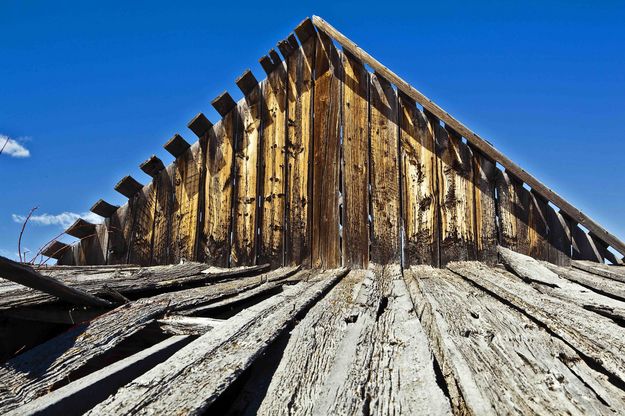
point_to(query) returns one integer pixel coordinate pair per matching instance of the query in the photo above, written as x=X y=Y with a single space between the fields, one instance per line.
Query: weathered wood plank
x=186 y=203
x=355 y=169
x=103 y=208
x=219 y=192
x=361 y=347
x=484 y=146
x=188 y=325
x=273 y=165
x=591 y=335
x=610 y=272
x=144 y=203
x=81 y=395
x=484 y=171
x=538 y=230
x=299 y=152
x=583 y=246
x=162 y=252
x=326 y=162
x=455 y=195
x=202 y=370
x=495 y=360
x=120 y=233
x=384 y=163
x=247 y=125
x=419 y=185
x=513 y=209
x=607 y=287
x=559 y=238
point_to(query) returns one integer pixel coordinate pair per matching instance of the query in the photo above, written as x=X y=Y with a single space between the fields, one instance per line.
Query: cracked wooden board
x=599 y=284
x=498 y=361
x=603 y=270
x=361 y=347
x=202 y=370
x=592 y=335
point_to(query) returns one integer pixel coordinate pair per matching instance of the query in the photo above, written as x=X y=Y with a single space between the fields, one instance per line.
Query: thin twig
x=19 y=240
x=4 y=145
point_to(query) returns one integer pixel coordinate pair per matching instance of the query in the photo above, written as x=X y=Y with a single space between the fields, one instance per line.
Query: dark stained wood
x=559 y=238
x=224 y=103
x=80 y=229
x=103 y=208
x=247 y=126
x=273 y=166
x=177 y=146
x=538 y=230
x=288 y=46
x=128 y=186
x=602 y=247
x=419 y=185
x=513 y=206
x=326 y=154
x=152 y=166
x=299 y=153
x=305 y=30
x=484 y=171
x=186 y=204
x=247 y=82
x=55 y=249
x=120 y=231
x=355 y=117
x=268 y=63
x=162 y=252
x=384 y=176
x=199 y=126
x=583 y=246
x=455 y=195
x=484 y=146
x=218 y=192
x=140 y=249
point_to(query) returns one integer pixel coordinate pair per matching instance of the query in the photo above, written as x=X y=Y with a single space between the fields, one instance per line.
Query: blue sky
x=90 y=90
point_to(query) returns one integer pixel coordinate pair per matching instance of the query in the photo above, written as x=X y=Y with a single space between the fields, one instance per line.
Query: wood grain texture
x=484 y=171
x=599 y=284
x=591 y=335
x=384 y=162
x=538 y=230
x=202 y=370
x=355 y=169
x=140 y=251
x=599 y=269
x=419 y=185
x=584 y=247
x=219 y=192
x=513 y=206
x=559 y=237
x=186 y=203
x=247 y=137
x=326 y=139
x=300 y=65
x=162 y=252
x=361 y=349
x=120 y=234
x=273 y=166
x=496 y=360
x=455 y=195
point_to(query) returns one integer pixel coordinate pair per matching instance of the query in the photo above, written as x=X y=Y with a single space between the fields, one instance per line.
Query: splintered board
x=299 y=129
x=273 y=164
x=143 y=210
x=418 y=166
x=218 y=192
x=559 y=238
x=513 y=206
x=455 y=195
x=162 y=252
x=355 y=163
x=484 y=171
x=120 y=231
x=384 y=161
x=537 y=228
x=326 y=165
x=247 y=126
x=186 y=203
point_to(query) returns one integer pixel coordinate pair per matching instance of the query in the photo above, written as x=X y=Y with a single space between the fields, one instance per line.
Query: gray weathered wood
x=610 y=272
x=495 y=360
x=188 y=325
x=361 y=349
x=202 y=370
x=608 y=287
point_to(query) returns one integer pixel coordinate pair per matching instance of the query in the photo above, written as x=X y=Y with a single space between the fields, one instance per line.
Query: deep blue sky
x=93 y=89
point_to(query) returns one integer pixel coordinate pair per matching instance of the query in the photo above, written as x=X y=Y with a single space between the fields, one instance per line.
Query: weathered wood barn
x=335 y=244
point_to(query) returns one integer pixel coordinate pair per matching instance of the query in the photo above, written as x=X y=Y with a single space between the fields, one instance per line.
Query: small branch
x=4 y=145
x=19 y=240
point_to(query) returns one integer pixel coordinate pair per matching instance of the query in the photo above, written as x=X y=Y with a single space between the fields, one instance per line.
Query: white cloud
x=64 y=219
x=12 y=147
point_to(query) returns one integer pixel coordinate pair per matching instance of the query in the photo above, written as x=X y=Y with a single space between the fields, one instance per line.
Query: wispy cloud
x=12 y=147
x=64 y=219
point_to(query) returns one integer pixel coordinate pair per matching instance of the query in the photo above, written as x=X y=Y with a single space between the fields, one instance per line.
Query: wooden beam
x=27 y=276
x=128 y=186
x=247 y=82
x=177 y=145
x=200 y=125
x=224 y=103
x=152 y=166
x=80 y=229
x=81 y=395
x=477 y=141
x=55 y=249
x=305 y=30
x=268 y=63
x=288 y=46
x=104 y=209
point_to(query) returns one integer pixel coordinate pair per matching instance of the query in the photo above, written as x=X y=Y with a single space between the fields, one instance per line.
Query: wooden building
x=335 y=244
